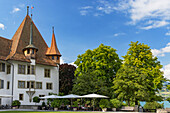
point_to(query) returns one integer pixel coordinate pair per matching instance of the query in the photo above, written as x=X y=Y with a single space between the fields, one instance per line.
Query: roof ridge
x=5 y=38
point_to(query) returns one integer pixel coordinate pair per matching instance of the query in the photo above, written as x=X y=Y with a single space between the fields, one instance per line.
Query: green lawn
x=40 y=112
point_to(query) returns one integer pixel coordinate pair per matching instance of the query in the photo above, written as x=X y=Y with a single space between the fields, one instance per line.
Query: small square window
x=8 y=69
x=8 y=84
x=2 y=84
x=2 y=67
x=21 y=96
x=21 y=84
x=31 y=69
x=38 y=85
x=21 y=69
x=49 y=85
x=47 y=73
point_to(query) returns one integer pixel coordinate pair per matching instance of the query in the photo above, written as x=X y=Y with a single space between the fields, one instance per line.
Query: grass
x=40 y=112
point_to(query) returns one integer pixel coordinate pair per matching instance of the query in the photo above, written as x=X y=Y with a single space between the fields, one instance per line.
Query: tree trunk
x=128 y=103
x=136 y=102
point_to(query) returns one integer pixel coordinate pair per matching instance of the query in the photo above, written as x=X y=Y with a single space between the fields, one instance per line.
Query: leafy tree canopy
x=153 y=105
x=66 y=73
x=89 y=83
x=102 y=62
x=140 y=77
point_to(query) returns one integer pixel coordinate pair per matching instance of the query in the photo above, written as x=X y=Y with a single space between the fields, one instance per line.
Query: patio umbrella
x=71 y=96
x=50 y=96
x=93 y=96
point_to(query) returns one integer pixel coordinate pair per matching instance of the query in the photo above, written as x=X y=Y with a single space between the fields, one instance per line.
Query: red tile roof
x=20 y=40
x=5 y=46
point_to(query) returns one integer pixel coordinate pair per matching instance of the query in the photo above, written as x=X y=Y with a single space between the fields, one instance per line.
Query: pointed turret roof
x=31 y=45
x=53 y=50
x=21 y=39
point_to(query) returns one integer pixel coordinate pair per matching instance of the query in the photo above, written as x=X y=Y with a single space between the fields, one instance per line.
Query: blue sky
x=85 y=24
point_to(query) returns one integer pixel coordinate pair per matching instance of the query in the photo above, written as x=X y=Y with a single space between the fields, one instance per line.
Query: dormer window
x=52 y=57
x=28 y=51
x=32 y=51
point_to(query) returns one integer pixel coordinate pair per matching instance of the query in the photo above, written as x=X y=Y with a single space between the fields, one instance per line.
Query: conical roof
x=31 y=45
x=21 y=39
x=53 y=50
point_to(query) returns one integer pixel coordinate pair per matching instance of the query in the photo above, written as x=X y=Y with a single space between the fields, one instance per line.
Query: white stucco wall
x=5 y=91
x=38 y=77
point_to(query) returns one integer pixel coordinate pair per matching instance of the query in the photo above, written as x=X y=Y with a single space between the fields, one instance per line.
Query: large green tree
x=101 y=64
x=89 y=83
x=140 y=77
x=66 y=77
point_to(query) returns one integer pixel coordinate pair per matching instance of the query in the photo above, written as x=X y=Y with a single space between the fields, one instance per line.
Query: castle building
x=28 y=67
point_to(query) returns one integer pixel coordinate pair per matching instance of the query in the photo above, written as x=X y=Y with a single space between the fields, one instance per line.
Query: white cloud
x=105 y=7
x=2 y=26
x=139 y=11
x=72 y=63
x=144 y=10
x=118 y=34
x=62 y=61
x=162 y=51
x=166 y=70
x=167 y=33
x=83 y=12
x=155 y=24
x=15 y=10
x=87 y=7
x=98 y=14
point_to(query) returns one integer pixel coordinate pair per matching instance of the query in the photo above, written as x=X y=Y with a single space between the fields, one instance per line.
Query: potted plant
x=75 y=105
x=56 y=104
x=16 y=104
x=43 y=105
x=36 y=100
x=104 y=104
x=115 y=103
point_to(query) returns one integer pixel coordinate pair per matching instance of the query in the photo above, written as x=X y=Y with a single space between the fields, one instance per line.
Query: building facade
x=28 y=67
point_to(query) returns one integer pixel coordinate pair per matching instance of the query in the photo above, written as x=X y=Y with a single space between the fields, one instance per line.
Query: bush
x=115 y=103
x=43 y=104
x=104 y=103
x=36 y=99
x=75 y=104
x=153 y=105
x=56 y=103
x=16 y=103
